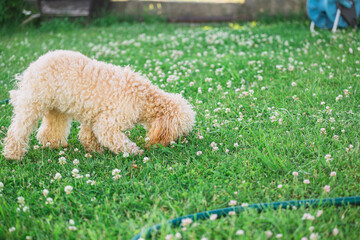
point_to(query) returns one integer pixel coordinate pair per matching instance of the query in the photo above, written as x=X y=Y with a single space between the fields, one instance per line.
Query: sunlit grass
x=268 y=104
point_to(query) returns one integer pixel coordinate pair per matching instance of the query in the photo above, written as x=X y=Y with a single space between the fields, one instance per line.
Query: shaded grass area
x=268 y=104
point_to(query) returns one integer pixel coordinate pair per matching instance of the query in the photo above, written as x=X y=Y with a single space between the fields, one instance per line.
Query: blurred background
x=18 y=11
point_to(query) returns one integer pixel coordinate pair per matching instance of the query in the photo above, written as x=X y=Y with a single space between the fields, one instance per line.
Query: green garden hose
x=340 y=201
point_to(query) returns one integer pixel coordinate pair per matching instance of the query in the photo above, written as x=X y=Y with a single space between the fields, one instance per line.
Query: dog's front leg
x=89 y=140
x=114 y=139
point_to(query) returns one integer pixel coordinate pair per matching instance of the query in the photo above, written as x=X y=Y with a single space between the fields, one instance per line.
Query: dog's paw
x=14 y=151
x=132 y=148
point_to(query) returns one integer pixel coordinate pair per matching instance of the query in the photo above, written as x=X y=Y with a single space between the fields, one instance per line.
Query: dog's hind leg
x=89 y=140
x=110 y=135
x=25 y=118
x=54 y=129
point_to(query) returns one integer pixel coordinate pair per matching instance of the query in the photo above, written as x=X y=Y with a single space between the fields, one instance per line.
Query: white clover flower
x=332 y=174
x=314 y=236
x=279 y=186
x=26 y=12
x=327 y=188
x=295 y=174
x=169 y=237
x=239 y=232
x=308 y=216
x=75 y=172
x=178 y=235
x=68 y=189
x=62 y=160
x=76 y=162
x=12 y=229
x=49 y=201
x=322 y=131
x=335 y=231
x=232 y=202
x=198 y=153
x=57 y=176
x=61 y=153
x=146 y=159
x=25 y=208
x=72 y=228
x=91 y=182
x=279 y=235
x=45 y=192
x=328 y=157
x=116 y=173
x=350 y=148
x=339 y=97
x=21 y=200
x=294 y=84
x=268 y=234
x=307 y=181
x=319 y=213
x=213 y=216
x=186 y=221
x=126 y=154
x=71 y=222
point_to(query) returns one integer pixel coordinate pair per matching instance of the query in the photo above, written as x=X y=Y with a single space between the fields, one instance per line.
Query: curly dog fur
x=106 y=99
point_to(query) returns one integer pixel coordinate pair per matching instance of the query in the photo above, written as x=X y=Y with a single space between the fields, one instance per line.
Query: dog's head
x=177 y=120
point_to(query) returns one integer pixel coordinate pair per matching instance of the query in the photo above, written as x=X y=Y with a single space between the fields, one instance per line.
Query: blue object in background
x=317 y=13
x=323 y=12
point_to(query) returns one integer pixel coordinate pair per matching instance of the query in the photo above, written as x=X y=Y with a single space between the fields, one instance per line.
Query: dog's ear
x=162 y=130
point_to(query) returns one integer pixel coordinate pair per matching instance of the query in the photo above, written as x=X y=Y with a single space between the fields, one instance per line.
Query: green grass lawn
x=273 y=103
